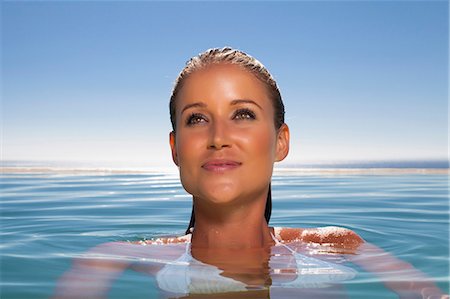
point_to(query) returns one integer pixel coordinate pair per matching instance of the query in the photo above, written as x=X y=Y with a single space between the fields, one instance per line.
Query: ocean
x=51 y=215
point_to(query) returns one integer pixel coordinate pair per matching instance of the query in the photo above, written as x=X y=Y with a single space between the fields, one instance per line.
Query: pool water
x=49 y=218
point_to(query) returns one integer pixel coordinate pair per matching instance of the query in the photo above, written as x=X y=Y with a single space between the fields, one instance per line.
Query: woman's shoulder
x=165 y=240
x=328 y=235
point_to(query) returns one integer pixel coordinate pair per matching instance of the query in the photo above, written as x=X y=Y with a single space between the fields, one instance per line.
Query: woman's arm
x=397 y=275
x=92 y=274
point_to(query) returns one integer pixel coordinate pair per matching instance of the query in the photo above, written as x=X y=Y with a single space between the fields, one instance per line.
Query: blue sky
x=90 y=81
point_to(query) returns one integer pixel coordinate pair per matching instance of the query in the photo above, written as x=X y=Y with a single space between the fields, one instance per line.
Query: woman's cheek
x=261 y=143
x=189 y=144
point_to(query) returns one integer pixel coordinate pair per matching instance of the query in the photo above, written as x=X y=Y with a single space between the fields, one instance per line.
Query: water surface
x=47 y=218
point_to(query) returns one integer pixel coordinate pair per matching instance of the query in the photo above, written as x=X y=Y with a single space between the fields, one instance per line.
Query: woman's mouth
x=220 y=165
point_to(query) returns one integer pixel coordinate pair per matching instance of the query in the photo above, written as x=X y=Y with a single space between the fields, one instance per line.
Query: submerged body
x=291 y=266
x=282 y=267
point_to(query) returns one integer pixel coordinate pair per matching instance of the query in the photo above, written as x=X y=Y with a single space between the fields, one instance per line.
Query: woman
x=228 y=131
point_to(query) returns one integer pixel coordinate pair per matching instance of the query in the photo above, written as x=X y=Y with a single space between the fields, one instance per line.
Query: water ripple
x=48 y=219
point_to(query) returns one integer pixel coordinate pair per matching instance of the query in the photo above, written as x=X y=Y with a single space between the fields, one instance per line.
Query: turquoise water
x=49 y=218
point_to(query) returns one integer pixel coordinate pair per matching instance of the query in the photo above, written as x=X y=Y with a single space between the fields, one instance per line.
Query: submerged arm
x=92 y=274
x=399 y=276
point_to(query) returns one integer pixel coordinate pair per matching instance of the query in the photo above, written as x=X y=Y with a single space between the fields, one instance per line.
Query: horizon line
x=307 y=165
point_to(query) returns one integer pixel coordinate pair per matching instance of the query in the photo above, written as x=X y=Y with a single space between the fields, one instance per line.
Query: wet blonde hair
x=247 y=62
x=235 y=57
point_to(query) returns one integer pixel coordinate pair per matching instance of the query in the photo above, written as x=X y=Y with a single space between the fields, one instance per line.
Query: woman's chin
x=221 y=196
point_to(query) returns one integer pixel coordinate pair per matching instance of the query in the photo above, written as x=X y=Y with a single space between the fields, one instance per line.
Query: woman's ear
x=173 y=147
x=282 y=149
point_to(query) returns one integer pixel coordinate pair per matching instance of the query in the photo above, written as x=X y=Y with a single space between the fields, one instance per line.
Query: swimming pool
x=50 y=217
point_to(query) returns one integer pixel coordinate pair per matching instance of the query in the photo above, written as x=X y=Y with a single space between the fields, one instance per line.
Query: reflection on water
x=50 y=222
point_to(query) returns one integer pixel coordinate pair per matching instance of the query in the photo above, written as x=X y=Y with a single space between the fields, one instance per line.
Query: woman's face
x=226 y=143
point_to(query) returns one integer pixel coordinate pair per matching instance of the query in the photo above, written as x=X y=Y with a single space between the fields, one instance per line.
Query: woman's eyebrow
x=245 y=101
x=192 y=105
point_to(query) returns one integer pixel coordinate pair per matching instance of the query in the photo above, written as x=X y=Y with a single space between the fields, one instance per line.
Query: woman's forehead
x=223 y=82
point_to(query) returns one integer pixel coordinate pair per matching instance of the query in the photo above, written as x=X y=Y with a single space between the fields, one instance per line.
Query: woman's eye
x=243 y=114
x=195 y=118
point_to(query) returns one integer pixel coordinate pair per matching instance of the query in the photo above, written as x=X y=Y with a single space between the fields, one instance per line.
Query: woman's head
x=228 y=129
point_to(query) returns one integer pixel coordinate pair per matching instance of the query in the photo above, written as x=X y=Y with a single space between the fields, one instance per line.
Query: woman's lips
x=220 y=165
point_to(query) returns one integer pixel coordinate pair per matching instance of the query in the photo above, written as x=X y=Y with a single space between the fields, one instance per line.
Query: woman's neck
x=239 y=229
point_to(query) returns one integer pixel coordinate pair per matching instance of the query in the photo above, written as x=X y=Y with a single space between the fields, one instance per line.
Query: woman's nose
x=219 y=135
